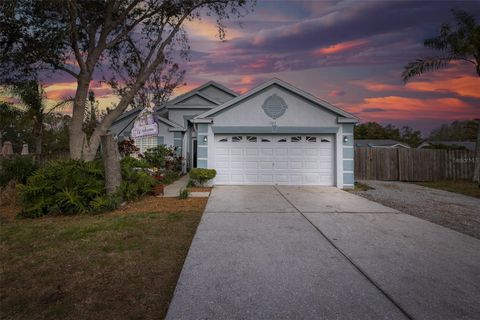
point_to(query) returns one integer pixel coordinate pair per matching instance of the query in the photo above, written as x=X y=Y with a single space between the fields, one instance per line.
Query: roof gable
x=283 y=85
x=211 y=93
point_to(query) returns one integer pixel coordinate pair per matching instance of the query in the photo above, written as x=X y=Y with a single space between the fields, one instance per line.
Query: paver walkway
x=265 y=252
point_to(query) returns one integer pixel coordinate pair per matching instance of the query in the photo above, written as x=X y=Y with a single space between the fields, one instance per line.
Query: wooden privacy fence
x=413 y=164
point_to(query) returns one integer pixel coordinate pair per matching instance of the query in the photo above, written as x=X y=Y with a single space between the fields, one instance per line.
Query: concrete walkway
x=173 y=190
x=264 y=252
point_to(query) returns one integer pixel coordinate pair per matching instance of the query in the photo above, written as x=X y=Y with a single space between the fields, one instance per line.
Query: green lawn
x=467 y=188
x=120 y=265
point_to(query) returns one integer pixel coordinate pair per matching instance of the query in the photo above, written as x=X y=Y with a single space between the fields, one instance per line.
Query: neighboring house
x=380 y=143
x=469 y=145
x=273 y=134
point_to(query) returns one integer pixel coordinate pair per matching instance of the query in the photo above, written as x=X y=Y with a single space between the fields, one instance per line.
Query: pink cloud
x=339 y=47
x=336 y=93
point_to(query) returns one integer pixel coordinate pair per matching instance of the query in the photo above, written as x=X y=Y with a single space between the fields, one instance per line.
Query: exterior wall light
x=205 y=139
x=345 y=139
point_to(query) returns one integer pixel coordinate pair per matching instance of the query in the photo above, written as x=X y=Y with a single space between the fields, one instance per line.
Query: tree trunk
x=476 y=170
x=77 y=138
x=111 y=160
x=90 y=149
x=37 y=136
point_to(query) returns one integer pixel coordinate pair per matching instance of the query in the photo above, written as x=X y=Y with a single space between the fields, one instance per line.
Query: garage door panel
x=222 y=151
x=296 y=164
x=310 y=152
x=220 y=164
x=251 y=152
x=266 y=164
x=236 y=151
x=280 y=165
x=265 y=160
x=296 y=179
x=311 y=164
x=236 y=164
x=251 y=178
x=296 y=152
x=266 y=152
x=251 y=165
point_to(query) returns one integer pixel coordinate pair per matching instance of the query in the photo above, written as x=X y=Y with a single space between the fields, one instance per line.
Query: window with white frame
x=145 y=143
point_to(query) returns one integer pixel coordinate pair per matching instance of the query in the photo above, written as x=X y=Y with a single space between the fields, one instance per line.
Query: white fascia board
x=201 y=120
x=347 y=120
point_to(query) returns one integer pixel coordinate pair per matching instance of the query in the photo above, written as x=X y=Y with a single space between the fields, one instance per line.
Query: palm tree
x=31 y=95
x=454 y=44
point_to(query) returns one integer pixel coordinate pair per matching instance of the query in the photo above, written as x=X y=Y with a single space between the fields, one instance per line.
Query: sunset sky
x=350 y=53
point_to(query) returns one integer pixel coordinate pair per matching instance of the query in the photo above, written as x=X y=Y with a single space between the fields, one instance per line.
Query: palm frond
x=464 y=19
x=421 y=66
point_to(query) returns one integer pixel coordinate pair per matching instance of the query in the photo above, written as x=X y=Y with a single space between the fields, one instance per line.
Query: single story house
x=380 y=143
x=468 y=145
x=272 y=134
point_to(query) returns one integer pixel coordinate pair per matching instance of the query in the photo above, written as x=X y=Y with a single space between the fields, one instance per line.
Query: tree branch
x=74 y=34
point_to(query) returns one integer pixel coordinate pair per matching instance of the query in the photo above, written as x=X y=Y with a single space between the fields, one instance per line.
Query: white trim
x=349 y=171
x=206 y=120
x=347 y=120
x=202 y=158
x=348 y=159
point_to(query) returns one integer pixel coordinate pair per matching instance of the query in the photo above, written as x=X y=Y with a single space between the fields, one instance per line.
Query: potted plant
x=158 y=189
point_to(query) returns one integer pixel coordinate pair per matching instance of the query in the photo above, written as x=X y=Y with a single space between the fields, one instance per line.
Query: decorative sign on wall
x=274 y=106
x=145 y=125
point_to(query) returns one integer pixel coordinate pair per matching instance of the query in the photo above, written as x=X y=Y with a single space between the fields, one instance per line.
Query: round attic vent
x=274 y=106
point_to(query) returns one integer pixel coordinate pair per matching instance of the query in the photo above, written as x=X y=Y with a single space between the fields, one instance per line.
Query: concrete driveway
x=266 y=252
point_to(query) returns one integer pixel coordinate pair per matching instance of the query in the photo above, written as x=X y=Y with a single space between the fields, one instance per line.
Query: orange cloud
x=465 y=86
x=395 y=107
x=339 y=47
x=377 y=86
x=62 y=90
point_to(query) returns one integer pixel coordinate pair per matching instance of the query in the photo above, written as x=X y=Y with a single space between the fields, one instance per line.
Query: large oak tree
x=132 y=38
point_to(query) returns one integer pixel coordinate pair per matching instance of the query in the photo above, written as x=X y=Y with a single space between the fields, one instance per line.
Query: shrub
x=63 y=187
x=200 y=176
x=71 y=187
x=135 y=180
x=17 y=168
x=184 y=193
x=163 y=157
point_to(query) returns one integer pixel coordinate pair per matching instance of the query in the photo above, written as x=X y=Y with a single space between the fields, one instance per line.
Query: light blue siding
x=348 y=128
x=350 y=140
x=202 y=128
x=200 y=139
x=160 y=140
x=348 y=178
x=348 y=153
x=202 y=152
x=348 y=165
x=202 y=163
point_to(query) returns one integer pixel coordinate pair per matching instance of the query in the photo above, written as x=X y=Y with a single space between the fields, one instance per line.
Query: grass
x=467 y=188
x=120 y=265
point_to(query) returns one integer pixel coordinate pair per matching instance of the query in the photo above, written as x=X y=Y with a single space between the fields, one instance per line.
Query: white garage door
x=283 y=160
